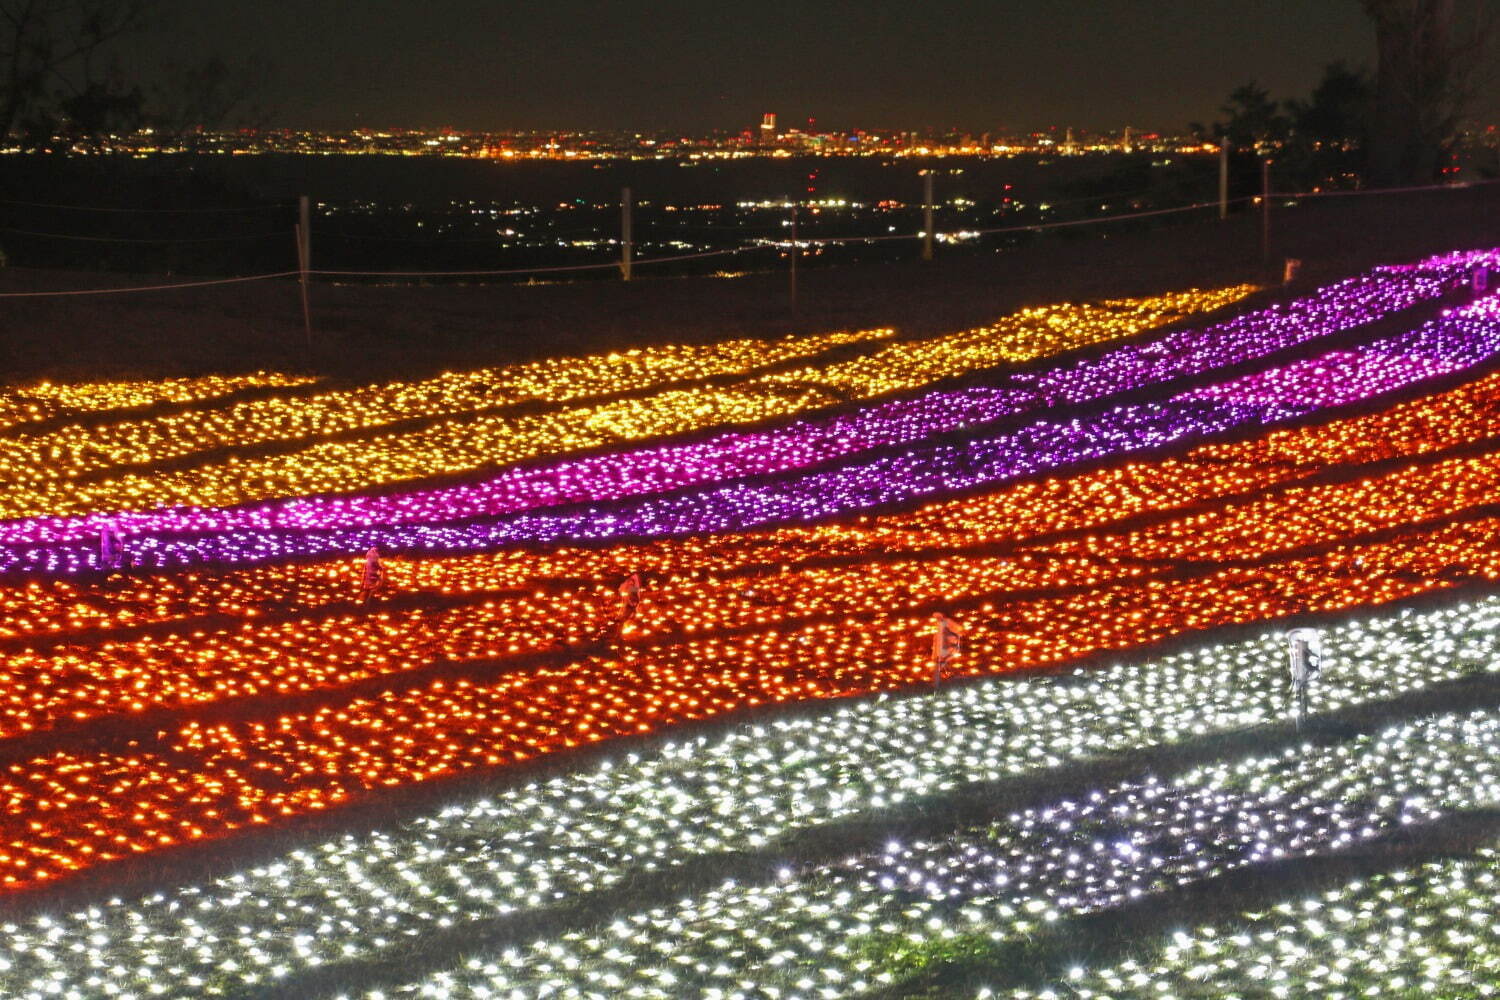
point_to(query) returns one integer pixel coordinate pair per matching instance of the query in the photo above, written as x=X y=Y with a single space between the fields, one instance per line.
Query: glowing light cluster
x=1445 y=345
x=25 y=404
x=736 y=791
x=813 y=935
x=734 y=453
x=1425 y=931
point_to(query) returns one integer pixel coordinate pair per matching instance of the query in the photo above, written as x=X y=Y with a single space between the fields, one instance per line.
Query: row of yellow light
x=71 y=451
x=48 y=400
x=39 y=472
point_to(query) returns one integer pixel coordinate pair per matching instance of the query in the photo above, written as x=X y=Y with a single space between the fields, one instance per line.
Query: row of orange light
x=68 y=810
x=864 y=637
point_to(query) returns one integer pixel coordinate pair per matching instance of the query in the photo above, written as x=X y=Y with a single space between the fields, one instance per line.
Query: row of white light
x=839 y=930
x=536 y=845
x=1428 y=932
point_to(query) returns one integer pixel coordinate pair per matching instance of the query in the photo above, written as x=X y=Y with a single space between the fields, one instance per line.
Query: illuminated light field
x=21 y=405
x=226 y=699
x=1093 y=500
x=1443 y=346
x=1423 y=931
x=472 y=439
x=824 y=929
x=738 y=791
x=713 y=585
x=215 y=778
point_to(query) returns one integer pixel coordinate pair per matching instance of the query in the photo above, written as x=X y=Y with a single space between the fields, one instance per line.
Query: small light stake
x=1304 y=658
x=947 y=643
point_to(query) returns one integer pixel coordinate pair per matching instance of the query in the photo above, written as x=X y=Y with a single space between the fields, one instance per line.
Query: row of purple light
x=1451 y=343
x=1174 y=354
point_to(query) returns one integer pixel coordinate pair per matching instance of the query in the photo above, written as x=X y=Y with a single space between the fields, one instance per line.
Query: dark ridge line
x=164 y=408
x=924 y=817
x=191 y=862
x=522 y=408
x=1108 y=936
x=121 y=732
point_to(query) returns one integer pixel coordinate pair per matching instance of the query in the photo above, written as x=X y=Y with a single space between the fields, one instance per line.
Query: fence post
x=795 y=251
x=927 y=214
x=625 y=234
x=304 y=262
x=1224 y=178
x=1265 y=211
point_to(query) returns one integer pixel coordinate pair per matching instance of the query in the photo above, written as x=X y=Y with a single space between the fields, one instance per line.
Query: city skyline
x=954 y=64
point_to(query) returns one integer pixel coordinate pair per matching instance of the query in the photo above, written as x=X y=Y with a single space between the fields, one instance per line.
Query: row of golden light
x=39 y=473
x=71 y=451
x=23 y=404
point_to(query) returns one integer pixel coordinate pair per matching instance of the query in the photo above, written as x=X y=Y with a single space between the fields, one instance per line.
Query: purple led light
x=1176 y=354
x=1448 y=344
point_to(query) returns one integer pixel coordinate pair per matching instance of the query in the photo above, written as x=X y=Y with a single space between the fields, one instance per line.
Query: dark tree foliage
x=1252 y=119
x=1329 y=135
x=1431 y=58
x=56 y=70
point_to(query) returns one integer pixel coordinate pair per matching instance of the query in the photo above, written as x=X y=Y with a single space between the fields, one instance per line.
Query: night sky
x=699 y=65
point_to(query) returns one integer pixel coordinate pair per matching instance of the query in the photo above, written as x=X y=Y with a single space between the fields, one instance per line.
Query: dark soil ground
x=368 y=331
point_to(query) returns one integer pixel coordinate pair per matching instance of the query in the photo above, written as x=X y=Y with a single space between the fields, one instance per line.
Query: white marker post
x=1304 y=656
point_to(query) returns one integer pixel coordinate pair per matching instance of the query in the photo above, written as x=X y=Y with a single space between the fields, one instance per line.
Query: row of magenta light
x=1456 y=340
x=1177 y=354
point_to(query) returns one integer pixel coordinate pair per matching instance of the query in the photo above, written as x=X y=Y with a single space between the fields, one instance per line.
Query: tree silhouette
x=52 y=60
x=1430 y=59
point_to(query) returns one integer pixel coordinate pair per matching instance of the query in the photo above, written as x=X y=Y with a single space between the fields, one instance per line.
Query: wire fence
x=790 y=243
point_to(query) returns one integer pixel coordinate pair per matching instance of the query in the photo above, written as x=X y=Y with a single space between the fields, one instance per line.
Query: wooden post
x=795 y=251
x=927 y=214
x=304 y=263
x=1224 y=178
x=304 y=238
x=625 y=234
x=1265 y=211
